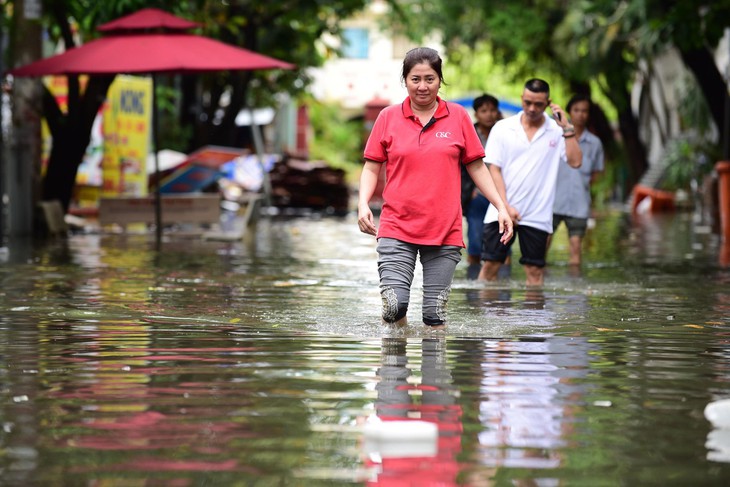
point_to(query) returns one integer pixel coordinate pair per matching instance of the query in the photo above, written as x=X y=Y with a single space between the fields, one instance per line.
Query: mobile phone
x=557 y=116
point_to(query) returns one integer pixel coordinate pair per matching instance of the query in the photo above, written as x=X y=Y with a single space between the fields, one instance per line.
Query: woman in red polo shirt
x=422 y=143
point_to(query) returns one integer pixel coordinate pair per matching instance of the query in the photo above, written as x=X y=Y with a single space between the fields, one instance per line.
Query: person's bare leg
x=403 y=322
x=575 y=250
x=489 y=270
x=574 y=271
x=535 y=275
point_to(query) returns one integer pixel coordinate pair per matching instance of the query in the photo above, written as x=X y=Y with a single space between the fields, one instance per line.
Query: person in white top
x=524 y=152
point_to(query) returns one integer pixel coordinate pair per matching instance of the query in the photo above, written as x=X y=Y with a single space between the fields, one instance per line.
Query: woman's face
x=423 y=85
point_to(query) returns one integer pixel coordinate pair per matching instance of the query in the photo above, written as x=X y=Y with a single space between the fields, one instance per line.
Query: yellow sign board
x=127 y=132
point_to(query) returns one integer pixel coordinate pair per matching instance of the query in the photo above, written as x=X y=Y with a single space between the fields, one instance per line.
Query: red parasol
x=150 y=53
x=131 y=48
x=147 y=19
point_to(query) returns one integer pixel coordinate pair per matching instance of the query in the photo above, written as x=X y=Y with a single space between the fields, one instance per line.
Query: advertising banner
x=127 y=132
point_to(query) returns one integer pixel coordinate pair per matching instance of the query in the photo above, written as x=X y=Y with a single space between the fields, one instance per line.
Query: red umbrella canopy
x=151 y=53
x=148 y=18
x=129 y=50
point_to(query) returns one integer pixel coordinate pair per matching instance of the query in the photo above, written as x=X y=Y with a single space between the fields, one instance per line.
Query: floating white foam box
x=718 y=440
x=400 y=439
x=718 y=445
x=718 y=413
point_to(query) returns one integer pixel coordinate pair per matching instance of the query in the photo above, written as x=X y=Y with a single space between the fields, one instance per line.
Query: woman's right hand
x=506 y=226
x=365 y=219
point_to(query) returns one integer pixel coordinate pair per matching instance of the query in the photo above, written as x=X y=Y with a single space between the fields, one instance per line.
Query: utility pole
x=3 y=197
x=22 y=167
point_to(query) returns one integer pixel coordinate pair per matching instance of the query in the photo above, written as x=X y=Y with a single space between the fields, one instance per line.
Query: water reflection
x=431 y=397
x=527 y=388
x=119 y=388
x=528 y=400
x=253 y=362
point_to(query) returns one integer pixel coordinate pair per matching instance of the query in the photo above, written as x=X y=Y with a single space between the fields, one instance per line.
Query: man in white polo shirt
x=524 y=153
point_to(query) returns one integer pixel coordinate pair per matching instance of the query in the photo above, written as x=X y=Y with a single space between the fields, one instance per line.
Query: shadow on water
x=261 y=362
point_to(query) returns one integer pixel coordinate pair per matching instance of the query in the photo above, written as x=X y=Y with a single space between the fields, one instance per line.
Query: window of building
x=355 y=43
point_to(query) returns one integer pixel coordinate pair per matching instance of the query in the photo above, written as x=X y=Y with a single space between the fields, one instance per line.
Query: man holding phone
x=524 y=152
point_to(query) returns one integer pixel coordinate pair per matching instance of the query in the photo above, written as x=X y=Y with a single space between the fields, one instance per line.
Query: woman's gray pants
x=396 y=266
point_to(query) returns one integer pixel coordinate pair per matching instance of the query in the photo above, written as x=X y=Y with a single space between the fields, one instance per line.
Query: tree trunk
x=225 y=133
x=617 y=91
x=21 y=175
x=635 y=150
x=71 y=134
x=191 y=109
x=702 y=64
x=63 y=164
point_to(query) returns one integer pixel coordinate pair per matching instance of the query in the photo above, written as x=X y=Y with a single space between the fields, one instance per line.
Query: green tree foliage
x=585 y=41
x=525 y=39
x=336 y=140
x=284 y=29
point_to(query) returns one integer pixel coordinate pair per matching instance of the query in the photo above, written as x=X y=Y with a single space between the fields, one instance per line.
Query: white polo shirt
x=529 y=168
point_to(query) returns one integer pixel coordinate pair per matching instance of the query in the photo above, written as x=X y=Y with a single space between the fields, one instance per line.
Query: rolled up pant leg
x=396 y=265
x=439 y=264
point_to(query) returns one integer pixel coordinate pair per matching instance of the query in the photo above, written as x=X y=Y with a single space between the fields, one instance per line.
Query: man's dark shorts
x=576 y=226
x=533 y=244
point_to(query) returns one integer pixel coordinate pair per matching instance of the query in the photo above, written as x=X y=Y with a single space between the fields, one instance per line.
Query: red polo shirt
x=422 y=194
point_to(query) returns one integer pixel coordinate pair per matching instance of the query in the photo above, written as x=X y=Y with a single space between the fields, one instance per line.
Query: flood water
x=263 y=362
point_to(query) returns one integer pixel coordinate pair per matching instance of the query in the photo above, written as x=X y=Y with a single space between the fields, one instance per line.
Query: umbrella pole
x=156 y=144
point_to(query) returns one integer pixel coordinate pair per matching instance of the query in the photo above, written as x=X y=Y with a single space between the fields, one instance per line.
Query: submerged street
x=260 y=362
